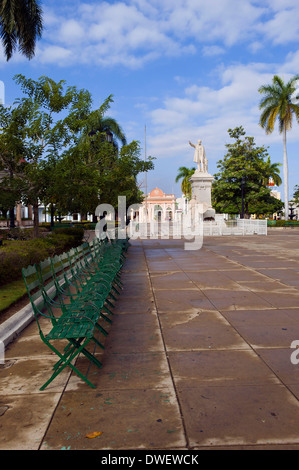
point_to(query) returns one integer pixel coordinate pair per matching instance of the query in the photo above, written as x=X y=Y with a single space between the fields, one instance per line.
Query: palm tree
x=112 y=129
x=107 y=126
x=272 y=171
x=99 y=129
x=278 y=102
x=20 y=22
x=185 y=173
x=296 y=194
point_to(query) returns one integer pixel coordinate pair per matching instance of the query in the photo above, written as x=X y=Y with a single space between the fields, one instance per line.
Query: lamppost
x=242 y=196
x=109 y=136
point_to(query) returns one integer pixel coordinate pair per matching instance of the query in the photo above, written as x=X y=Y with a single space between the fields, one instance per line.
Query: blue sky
x=185 y=69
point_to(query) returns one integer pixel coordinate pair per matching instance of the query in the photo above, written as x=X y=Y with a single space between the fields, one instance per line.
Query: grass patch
x=11 y=293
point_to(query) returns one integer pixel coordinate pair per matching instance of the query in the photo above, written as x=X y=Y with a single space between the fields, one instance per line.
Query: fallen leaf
x=91 y=435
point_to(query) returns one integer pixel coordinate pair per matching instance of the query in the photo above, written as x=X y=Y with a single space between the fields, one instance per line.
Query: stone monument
x=201 y=181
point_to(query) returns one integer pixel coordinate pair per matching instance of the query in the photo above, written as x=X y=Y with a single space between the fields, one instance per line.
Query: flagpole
x=145 y=176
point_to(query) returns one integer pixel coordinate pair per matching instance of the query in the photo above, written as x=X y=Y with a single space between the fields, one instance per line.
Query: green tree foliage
x=272 y=169
x=56 y=150
x=97 y=167
x=82 y=183
x=185 y=174
x=54 y=116
x=296 y=194
x=121 y=178
x=20 y=26
x=245 y=169
x=108 y=127
x=13 y=152
x=278 y=102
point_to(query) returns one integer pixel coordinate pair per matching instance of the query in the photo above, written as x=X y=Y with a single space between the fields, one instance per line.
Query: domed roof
x=156 y=193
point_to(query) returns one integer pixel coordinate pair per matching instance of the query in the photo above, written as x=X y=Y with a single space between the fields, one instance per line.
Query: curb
x=12 y=327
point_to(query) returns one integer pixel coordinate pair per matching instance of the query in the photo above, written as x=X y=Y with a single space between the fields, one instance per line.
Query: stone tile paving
x=198 y=357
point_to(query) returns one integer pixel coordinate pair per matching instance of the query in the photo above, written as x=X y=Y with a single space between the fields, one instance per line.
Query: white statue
x=200 y=157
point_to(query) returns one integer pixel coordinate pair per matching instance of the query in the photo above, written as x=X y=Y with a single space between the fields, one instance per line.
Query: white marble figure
x=200 y=157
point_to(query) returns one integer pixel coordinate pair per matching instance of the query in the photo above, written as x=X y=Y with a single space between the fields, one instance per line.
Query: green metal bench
x=51 y=276
x=78 y=285
x=84 y=285
x=75 y=328
x=102 y=261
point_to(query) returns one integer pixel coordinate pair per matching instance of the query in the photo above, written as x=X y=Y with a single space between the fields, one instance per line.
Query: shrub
x=280 y=223
x=16 y=234
x=16 y=254
x=76 y=232
x=283 y=223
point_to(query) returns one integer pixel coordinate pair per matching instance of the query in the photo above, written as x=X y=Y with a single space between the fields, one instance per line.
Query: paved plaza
x=198 y=356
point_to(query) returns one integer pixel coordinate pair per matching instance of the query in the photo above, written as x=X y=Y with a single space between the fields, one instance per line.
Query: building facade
x=158 y=206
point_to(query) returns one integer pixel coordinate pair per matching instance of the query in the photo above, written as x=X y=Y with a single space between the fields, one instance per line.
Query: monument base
x=201 y=186
x=209 y=214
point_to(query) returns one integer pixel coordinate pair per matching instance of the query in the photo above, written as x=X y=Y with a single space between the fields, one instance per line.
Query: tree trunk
x=52 y=215
x=12 y=217
x=36 y=219
x=12 y=209
x=285 y=174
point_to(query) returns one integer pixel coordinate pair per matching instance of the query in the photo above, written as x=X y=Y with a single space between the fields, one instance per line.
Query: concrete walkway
x=198 y=357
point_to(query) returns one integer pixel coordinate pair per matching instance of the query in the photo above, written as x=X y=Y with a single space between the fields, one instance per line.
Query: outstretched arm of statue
x=192 y=145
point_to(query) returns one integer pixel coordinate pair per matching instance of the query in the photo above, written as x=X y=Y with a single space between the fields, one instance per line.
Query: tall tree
x=239 y=186
x=278 y=103
x=67 y=166
x=20 y=24
x=108 y=127
x=296 y=194
x=47 y=134
x=98 y=169
x=13 y=153
x=185 y=174
x=272 y=171
x=121 y=180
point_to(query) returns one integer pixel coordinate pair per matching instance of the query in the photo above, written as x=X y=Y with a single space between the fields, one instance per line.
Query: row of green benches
x=76 y=291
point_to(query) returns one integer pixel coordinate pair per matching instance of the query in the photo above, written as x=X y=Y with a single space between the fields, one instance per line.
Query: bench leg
x=67 y=358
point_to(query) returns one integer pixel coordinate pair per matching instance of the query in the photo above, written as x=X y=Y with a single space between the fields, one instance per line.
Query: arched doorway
x=158 y=212
x=169 y=214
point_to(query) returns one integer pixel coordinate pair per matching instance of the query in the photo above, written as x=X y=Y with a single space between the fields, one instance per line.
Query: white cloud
x=54 y=55
x=228 y=20
x=111 y=34
x=134 y=32
x=238 y=86
x=292 y=63
x=255 y=47
x=71 y=32
x=208 y=112
x=210 y=51
x=283 y=28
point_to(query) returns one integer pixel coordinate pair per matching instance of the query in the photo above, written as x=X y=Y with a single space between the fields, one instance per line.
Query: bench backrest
x=42 y=280
x=61 y=270
x=32 y=282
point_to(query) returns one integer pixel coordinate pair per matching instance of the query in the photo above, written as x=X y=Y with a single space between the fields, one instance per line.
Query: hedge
x=16 y=254
x=282 y=223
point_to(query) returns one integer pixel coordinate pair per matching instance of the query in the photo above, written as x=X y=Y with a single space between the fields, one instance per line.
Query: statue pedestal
x=201 y=186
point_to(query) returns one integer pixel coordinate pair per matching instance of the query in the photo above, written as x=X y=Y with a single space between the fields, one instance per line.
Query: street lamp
x=242 y=195
x=109 y=136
